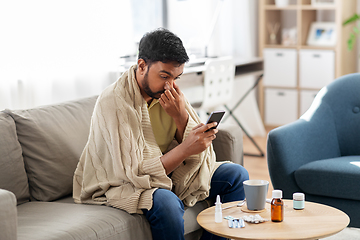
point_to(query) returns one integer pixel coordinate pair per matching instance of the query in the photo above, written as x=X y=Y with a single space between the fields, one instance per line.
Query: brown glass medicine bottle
x=277 y=206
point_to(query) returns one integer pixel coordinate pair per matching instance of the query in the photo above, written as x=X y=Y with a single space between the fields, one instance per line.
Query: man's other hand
x=172 y=100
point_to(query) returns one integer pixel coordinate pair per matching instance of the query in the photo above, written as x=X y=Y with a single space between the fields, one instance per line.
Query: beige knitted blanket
x=120 y=164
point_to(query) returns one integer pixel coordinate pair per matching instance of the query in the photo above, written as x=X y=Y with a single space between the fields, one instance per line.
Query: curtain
x=59 y=50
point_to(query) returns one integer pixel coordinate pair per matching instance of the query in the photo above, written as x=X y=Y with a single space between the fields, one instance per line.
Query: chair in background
x=231 y=113
x=319 y=154
x=219 y=77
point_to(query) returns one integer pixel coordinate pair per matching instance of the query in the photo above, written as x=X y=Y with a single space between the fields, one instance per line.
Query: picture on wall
x=322 y=34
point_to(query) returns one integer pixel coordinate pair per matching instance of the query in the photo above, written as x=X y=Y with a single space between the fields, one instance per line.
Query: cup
x=255 y=194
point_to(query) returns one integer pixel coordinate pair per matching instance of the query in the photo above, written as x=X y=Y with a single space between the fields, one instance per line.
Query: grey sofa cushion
x=228 y=143
x=12 y=171
x=334 y=177
x=64 y=221
x=52 y=139
x=190 y=223
x=190 y=215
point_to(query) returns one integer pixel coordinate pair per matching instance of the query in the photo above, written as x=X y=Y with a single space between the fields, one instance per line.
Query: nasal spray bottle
x=218 y=210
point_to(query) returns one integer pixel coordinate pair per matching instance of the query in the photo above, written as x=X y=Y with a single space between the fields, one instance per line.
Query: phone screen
x=215 y=116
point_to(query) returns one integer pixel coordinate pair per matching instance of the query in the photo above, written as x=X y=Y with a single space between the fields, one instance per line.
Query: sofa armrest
x=228 y=144
x=8 y=215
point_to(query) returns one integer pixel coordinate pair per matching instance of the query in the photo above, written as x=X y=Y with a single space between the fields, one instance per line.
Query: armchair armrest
x=8 y=215
x=228 y=144
x=295 y=144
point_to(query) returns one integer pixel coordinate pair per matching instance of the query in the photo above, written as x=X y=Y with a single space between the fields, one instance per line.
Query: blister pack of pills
x=254 y=219
x=236 y=223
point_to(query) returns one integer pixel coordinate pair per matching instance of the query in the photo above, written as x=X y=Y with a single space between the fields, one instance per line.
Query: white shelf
x=315 y=66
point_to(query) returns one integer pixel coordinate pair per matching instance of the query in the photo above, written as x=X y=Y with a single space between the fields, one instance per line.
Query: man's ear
x=142 y=66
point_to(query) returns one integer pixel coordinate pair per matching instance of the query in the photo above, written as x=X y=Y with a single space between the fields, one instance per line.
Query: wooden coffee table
x=314 y=222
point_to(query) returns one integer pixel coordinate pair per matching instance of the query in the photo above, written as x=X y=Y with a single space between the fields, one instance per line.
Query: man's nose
x=169 y=84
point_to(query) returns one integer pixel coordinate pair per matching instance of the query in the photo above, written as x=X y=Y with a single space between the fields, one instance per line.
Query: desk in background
x=247 y=70
x=247 y=73
x=191 y=82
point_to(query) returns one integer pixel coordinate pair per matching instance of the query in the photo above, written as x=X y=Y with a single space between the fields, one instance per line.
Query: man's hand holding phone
x=199 y=138
x=202 y=135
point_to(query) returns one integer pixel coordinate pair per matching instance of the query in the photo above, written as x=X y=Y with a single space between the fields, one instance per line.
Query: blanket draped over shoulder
x=120 y=165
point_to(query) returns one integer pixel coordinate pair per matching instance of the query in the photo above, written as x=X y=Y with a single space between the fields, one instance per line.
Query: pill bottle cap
x=299 y=196
x=276 y=194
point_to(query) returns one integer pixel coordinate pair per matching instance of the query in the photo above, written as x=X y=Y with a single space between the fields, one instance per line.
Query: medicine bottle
x=298 y=201
x=218 y=210
x=277 y=206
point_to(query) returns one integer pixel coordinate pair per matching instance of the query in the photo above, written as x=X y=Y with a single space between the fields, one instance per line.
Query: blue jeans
x=166 y=215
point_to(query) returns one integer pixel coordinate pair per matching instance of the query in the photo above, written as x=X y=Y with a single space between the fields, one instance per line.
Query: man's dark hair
x=162 y=45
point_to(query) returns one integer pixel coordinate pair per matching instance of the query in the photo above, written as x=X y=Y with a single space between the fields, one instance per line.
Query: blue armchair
x=319 y=154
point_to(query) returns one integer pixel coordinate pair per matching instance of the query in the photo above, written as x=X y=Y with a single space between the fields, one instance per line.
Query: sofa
x=39 y=151
x=319 y=154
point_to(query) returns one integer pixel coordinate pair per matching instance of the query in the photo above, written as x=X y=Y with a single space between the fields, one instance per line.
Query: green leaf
x=349 y=44
x=356 y=30
x=353 y=18
x=351 y=41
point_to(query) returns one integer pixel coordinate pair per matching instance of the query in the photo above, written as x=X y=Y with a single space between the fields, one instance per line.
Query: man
x=130 y=160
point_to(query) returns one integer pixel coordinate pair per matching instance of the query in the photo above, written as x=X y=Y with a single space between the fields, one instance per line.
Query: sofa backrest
x=12 y=171
x=52 y=139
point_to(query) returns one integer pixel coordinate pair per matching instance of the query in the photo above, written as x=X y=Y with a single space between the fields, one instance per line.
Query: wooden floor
x=257 y=166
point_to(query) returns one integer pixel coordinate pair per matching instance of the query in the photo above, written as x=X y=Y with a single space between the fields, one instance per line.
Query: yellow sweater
x=120 y=165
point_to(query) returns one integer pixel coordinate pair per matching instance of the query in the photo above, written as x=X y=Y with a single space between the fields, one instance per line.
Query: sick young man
x=148 y=152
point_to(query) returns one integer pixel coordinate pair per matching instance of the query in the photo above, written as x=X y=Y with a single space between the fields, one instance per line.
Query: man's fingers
x=174 y=92
x=161 y=101
x=210 y=125
x=169 y=94
x=211 y=137
x=198 y=126
x=163 y=97
x=203 y=128
x=211 y=132
x=177 y=89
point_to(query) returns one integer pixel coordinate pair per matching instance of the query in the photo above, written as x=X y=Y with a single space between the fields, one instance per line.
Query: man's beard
x=147 y=89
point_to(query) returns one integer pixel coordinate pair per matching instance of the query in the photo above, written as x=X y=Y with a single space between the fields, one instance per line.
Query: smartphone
x=215 y=116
